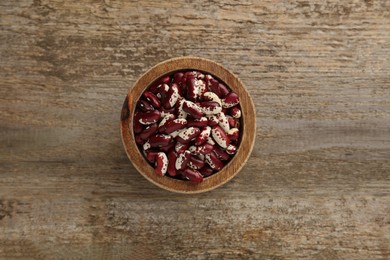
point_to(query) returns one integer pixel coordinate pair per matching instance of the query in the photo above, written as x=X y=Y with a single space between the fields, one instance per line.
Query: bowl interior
x=247 y=128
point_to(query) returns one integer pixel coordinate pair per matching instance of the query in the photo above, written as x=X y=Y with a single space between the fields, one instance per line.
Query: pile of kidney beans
x=187 y=125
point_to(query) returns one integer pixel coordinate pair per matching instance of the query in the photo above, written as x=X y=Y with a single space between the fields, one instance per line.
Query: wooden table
x=317 y=185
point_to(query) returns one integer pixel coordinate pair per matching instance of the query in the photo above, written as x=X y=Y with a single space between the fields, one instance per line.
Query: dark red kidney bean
x=172 y=155
x=172 y=96
x=144 y=106
x=231 y=149
x=202 y=149
x=210 y=107
x=223 y=122
x=223 y=90
x=161 y=92
x=137 y=126
x=161 y=163
x=166 y=111
x=195 y=162
x=187 y=134
x=163 y=123
x=230 y=100
x=182 y=160
x=166 y=79
x=148 y=118
x=168 y=147
x=218 y=88
x=220 y=137
x=151 y=155
x=192 y=88
x=221 y=154
x=233 y=134
x=180 y=148
x=192 y=74
x=139 y=140
x=148 y=131
x=152 y=99
x=193 y=109
x=175 y=124
x=207 y=79
x=232 y=121
x=206 y=171
x=201 y=87
x=160 y=140
x=192 y=175
x=202 y=137
x=213 y=121
x=235 y=112
x=200 y=122
x=177 y=78
x=213 y=161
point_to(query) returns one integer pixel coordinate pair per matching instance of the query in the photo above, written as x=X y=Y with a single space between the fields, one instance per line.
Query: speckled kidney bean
x=187 y=124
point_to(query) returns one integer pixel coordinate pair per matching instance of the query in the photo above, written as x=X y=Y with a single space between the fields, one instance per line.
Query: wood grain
x=317 y=185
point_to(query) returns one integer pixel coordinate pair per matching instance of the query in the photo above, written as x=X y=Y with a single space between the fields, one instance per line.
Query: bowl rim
x=248 y=126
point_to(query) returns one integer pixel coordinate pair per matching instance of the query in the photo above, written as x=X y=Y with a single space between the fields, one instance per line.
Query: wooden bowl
x=248 y=125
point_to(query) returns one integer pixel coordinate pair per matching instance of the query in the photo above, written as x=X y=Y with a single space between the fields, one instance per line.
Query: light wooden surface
x=317 y=185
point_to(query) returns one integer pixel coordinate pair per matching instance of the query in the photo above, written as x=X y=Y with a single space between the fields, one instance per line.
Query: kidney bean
x=210 y=140
x=213 y=121
x=233 y=134
x=181 y=113
x=172 y=96
x=221 y=154
x=233 y=122
x=168 y=147
x=199 y=122
x=202 y=149
x=177 y=78
x=218 y=88
x=187 y=134
x=193 y=109
x=213 y=161
x=161 y=163
x=163 y=123
x=210 y=107
x=145 y=106
x=175 y=125
x=148 y=118
x=206 y=171
x=193 y=175
x=152 y=99
x=180 y=147
x=211 y=96
x=192 y=88
x=223 y=121
x=202 y=137
x=161 y=92
x=137 y=126
x=139 y=140
x=148 y=131
x=231 y=149
x=235 y=112
x=230 y=100
x=182 y=160
x=195 y=163
x=151 y=155
x=159 y=140
x=172 y=155
x=220 y=136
